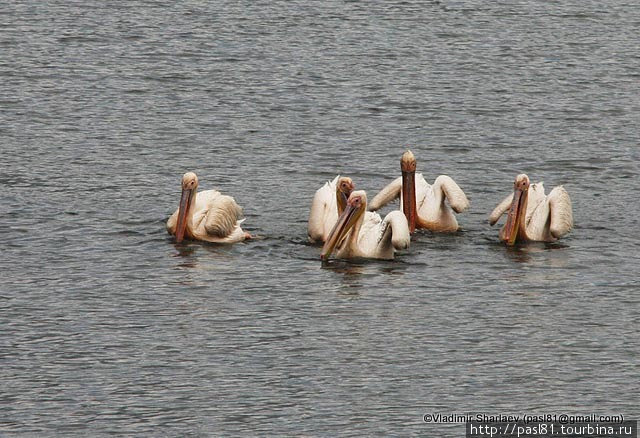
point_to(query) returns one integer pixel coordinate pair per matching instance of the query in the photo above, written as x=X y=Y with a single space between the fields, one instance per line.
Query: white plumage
x=358 y=233
x=433 y=213
x=324 y=211
x=546 y=217
x=210 y=216
x=324 y=208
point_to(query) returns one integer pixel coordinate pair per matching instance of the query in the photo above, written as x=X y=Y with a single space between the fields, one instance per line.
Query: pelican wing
x=324 y=213
x=222 y=216
x=386 y=195
x=397 y=222
x=561 y=212
x=500 y=209
x=370 y=224
x=237 y=235
x=452 y=191
x=380 y=238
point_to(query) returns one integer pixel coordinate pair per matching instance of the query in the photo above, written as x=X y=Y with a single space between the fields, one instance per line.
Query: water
x=109 y=328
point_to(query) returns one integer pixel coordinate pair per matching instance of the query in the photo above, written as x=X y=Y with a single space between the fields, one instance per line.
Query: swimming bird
x=353 y=236
x=534 y=216
x=328 y=203
x=425 y=206
x=207 y=215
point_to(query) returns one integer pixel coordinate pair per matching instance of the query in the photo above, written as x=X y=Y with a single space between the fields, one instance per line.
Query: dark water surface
x=109 y=328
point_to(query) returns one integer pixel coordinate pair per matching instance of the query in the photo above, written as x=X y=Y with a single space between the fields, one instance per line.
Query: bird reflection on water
x=356 y=272
x=526 y=253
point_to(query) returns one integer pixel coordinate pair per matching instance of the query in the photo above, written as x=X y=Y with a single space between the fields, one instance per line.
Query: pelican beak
x=342 y=198
x=514 y=217
x=185 y=204
x=343 y=191
x=346 y=221
x=409 y=198
x=408 y=167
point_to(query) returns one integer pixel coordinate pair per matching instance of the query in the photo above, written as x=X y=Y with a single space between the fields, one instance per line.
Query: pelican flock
x=207 y=215
x=423 y=204
x=342 y=219
x=533 y=216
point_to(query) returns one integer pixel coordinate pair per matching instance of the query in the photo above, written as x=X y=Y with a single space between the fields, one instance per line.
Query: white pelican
x=207 y=215
x=425 y=206
x=328 y=203
x=532 y=215
x=356 y=237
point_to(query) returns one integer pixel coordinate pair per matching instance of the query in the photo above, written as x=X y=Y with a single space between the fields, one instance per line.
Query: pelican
x=532 y=215
x=328 y=203
x=207 y=215
x=356 y=237
x=425 y=207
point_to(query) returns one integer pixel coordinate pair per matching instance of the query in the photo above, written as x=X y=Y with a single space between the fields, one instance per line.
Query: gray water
x=109 y=328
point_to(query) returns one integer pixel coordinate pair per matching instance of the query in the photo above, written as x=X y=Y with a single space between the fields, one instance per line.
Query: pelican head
x=189 y=186
x=517 y=211
x=343 y=191
x=408 y=167
x=408 y=162
x=353 y=212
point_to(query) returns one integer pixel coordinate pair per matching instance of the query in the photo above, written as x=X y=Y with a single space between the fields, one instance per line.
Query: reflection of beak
x=409 y=198
x=514 y=217
x=185 y=203
x=346 y=221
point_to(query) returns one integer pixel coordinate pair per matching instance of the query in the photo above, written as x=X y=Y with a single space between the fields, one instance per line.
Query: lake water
x=109 y=328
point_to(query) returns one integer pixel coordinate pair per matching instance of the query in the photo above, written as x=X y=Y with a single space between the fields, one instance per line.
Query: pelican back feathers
x=222 y=216
x=561 y=212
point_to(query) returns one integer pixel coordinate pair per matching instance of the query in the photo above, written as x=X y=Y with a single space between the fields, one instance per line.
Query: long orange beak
x=514 y=217
x=341 y=198
x=346 y=221
x=185 y=204
x=343 y=191
x=409 y=198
